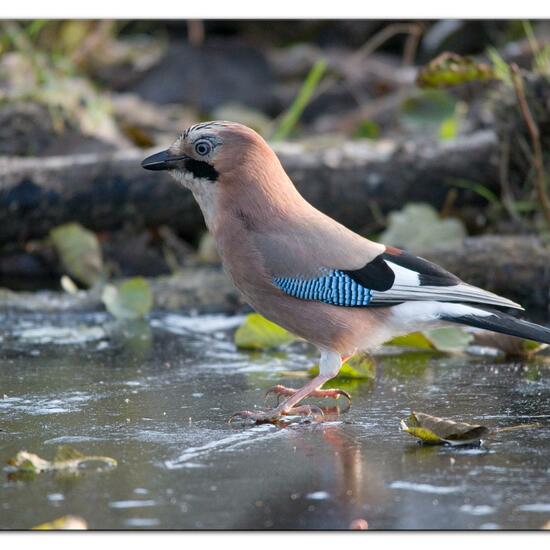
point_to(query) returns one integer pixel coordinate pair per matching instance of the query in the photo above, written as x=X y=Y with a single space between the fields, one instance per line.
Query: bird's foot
x=274 y=416
x=282 y=390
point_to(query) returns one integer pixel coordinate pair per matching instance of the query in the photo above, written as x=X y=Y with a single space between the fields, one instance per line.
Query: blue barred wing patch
x=335 y=288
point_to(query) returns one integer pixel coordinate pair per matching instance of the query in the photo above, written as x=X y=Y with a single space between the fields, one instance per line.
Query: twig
x=506 y=191
x=375 y=41
x=411 y=44
x=195 y=32
x=535 y=141
x=368 y=48
x=448 y=203
x=518 y=427
x=377 y=214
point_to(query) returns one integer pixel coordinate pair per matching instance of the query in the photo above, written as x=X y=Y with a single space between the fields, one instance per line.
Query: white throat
x=205 y=194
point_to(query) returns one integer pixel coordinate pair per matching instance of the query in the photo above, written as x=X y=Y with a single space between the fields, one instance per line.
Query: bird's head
x=210 y=153
x=224 y=163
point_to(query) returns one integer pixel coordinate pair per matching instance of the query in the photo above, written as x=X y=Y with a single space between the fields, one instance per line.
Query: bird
x=310 y=274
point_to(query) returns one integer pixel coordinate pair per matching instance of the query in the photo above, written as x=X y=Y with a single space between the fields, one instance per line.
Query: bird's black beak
x=164 y=160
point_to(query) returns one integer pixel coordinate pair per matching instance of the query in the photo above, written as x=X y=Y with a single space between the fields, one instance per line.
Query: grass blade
x=294 y=112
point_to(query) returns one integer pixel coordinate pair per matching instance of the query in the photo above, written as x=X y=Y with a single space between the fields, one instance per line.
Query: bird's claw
x=280 y=390
x=336 y=393
x=275 y=415
x=241 y=415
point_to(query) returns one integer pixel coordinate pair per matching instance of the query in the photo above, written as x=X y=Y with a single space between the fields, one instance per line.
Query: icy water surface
x=156 y=396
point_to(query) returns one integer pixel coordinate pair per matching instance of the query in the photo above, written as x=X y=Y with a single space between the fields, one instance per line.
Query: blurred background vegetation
x=449 y=119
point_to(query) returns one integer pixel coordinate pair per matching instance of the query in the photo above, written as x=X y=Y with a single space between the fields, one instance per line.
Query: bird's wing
x=392 y=277
x=414 y=278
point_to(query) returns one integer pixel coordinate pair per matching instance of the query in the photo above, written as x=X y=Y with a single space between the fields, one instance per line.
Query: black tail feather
x=506 y=324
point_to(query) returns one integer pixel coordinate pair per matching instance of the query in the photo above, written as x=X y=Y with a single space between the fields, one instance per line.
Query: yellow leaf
x=63 y=523
x=66 y=458
x=450 y=69
x=432 y=429
x=357 y=367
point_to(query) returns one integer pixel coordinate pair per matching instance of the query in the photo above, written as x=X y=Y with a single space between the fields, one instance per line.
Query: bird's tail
x=498 y=322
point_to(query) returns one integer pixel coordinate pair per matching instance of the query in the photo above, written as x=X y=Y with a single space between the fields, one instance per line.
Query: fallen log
x=516 y=267
x=349 y=181
x=202 y=289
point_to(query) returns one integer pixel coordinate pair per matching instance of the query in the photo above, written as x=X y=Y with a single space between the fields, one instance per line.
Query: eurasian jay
x=308 y=273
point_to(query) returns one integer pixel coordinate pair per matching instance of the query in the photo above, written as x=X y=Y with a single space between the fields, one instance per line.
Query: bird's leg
x=333 y=393
x=329 y=365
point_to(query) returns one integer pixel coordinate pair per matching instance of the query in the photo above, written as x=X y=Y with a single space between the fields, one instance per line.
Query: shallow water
x=156 y=396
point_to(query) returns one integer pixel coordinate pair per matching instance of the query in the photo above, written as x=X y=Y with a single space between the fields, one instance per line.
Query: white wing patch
x=404 y=276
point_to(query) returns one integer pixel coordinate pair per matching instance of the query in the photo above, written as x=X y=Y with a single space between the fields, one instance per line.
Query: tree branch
x=540 y=180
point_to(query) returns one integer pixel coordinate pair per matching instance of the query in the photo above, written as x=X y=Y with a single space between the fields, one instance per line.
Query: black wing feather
x=429 y=274
x=376 y=275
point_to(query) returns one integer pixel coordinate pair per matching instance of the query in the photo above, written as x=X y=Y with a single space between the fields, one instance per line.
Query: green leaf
x=408 y=364
x=449 y=339
x=357 y=367
x=415 y=340
x=258 y=333
x=448 y=128
x=501 y=68
x=79 y=252
x=444 y=339
x=132 y=299
x=66 y=458
x=450 y=69
x=530 y=347
x=368 y=129
x=425 y=110
x=35 y=27
x=418 y=226
x=435 y=430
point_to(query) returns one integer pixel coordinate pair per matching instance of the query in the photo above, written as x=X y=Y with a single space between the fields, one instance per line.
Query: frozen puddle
x=425 y=488
x=156 y=396
x=226 y=444
x=132 y=504
x=61 y=335
x=42 y=405
x=539 y=507
x=480 y=510
x=180 y=324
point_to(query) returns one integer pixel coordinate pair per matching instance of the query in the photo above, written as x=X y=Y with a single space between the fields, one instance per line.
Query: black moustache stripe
x=201 y=169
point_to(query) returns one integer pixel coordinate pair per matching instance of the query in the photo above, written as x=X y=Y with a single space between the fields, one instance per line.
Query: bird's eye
x=203 y=148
